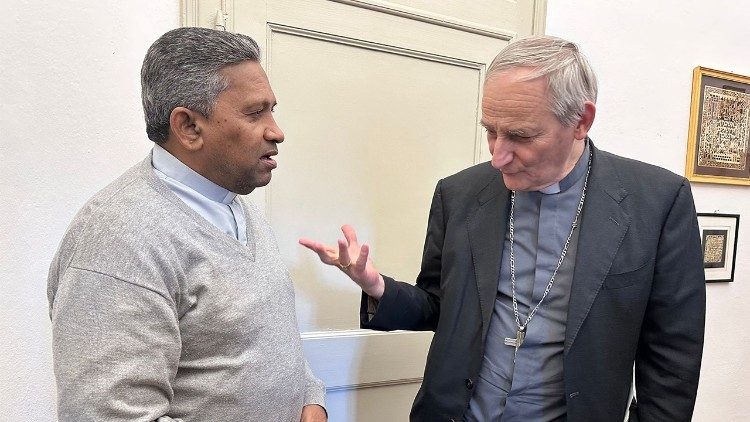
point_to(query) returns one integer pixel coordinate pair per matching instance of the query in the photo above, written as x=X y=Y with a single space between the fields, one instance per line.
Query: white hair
x=570 y=78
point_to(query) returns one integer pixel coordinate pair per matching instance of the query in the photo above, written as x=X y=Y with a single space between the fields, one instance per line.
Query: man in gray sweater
x=168 y=298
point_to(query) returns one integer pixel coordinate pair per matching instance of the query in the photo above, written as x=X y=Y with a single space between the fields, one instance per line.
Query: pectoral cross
x=516 y=342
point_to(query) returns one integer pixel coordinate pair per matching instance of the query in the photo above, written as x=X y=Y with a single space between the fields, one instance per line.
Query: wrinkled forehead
x=511 y=97
x=516 y=85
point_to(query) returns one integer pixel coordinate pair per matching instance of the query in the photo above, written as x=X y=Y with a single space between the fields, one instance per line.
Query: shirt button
x=469 y=383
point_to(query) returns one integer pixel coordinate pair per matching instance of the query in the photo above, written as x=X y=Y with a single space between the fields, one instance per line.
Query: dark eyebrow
x=263 y=104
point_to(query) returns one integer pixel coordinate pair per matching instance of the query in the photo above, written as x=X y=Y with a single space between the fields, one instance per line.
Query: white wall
x=644 y=52
x=70 y=122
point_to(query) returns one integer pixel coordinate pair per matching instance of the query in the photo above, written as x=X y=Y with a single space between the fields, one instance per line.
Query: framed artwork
x=719 y=128
x=719 y=243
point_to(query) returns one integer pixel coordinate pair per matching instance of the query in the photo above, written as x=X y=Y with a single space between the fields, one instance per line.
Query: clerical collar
x=578 y=171
x=175 y=169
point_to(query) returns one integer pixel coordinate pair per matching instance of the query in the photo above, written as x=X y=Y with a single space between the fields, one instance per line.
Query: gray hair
x=570 y=78
x=181 y=69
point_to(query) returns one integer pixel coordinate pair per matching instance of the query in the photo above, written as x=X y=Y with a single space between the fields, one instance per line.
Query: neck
x=579 y=145
x=192 y=159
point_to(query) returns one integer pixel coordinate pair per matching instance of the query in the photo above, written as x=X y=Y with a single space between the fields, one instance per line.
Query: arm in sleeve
x=404 y=306
x=116 y=348
x=668 y=358
x=316 y=390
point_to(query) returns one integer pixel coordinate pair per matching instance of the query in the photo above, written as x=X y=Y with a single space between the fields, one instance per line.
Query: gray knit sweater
x=158 y=314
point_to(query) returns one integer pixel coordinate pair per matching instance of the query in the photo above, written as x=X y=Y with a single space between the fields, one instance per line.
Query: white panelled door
x=378 y=101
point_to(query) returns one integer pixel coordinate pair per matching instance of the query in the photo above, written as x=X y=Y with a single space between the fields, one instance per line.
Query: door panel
x=369 y=132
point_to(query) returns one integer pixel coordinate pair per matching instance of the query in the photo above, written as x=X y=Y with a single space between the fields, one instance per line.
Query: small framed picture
x=719 y=128
x=719 y=243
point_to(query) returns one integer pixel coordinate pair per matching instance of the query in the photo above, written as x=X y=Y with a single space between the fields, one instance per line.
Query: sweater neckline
x=146 y=171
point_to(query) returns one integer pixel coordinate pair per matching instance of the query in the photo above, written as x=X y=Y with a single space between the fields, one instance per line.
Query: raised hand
x=352 y=259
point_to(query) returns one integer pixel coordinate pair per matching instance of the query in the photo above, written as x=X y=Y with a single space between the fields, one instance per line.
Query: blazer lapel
x=486 y=227
x=603 y=227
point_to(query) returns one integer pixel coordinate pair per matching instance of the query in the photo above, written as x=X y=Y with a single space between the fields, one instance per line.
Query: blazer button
x=469 y=383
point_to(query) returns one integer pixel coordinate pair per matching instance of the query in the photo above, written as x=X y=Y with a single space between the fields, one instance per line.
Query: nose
x=273 y=132
x=502 y=154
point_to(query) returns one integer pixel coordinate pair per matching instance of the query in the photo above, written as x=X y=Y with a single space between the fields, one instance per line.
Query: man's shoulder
x=475 y=177
x=127 y=198
x=642 y=183
x=118 y=223
x=460 y=188
x=630 y=170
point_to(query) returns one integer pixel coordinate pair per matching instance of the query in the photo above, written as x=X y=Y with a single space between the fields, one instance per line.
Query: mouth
x=268 y=160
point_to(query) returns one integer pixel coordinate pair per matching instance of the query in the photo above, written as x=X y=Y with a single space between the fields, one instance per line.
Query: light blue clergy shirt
x=214 y=203
x=531 y=387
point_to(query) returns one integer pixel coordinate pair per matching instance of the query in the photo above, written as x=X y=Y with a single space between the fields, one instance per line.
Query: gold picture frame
x=719 y=135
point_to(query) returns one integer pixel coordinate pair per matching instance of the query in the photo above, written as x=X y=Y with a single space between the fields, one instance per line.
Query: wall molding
x=214 y=14
x=188 y=13
x=431 y=18
x=540 y=17
x=274 y=28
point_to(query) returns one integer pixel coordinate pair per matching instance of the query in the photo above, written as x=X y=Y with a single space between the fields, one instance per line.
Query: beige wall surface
x=644 y=53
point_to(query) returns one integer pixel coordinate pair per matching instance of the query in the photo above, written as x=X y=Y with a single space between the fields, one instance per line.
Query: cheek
x=524 y=156
x=539 y=154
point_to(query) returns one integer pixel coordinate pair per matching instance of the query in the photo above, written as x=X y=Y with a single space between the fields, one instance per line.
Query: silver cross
x=516 y=342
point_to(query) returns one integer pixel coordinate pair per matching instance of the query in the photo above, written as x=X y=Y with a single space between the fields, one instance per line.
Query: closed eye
x=520 y=136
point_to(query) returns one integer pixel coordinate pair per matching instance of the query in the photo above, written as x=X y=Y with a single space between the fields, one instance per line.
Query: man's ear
x=586 y=120
x=184 y=124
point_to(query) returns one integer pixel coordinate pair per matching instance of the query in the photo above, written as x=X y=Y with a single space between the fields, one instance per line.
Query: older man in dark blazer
x=551 y=272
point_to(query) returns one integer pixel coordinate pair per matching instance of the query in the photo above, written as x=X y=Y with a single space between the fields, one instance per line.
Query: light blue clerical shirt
x=529 y=386
x=214 y=203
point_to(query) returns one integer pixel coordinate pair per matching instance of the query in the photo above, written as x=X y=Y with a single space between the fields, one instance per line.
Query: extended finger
x=350 y=234
x=344 y=259
x=361 y=263
x=326 y=253
x=314 y=246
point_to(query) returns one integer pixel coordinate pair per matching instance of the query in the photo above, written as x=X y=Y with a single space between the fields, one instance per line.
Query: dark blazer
x=638 y=293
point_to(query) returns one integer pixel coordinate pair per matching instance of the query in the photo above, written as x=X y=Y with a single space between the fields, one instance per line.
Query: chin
x=248 y=185
x=243 y=190
x=513 y=183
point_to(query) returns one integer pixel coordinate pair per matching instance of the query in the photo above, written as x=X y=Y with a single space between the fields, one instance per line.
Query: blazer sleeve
x=404 y=306
x=668 y=357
